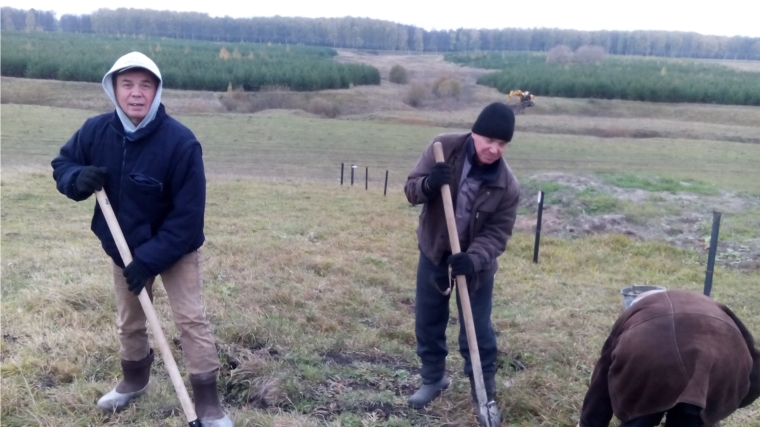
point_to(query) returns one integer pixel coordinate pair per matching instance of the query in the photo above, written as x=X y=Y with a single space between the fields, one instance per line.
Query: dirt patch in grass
x=386 y=360
x=582 y=205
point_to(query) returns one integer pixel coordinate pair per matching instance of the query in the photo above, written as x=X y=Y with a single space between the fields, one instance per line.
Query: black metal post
x=366 y=177
x=353 y=167
x=341 y=174
x=385 y=190
x=538 y=225
x=713 y=251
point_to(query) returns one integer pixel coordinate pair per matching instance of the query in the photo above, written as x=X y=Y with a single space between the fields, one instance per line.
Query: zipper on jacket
x=479 y=200
x=123 y=163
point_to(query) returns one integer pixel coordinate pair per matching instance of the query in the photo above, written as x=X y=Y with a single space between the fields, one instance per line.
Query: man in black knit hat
x=485 y=195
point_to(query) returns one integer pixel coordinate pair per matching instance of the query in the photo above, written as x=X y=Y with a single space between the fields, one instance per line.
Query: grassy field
x=292 y=144
x=310 y=285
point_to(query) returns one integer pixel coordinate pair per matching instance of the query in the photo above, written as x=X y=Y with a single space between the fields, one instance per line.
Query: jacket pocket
x=480 y=217
x=143 y=207
x=145 y=183
x=483 y=211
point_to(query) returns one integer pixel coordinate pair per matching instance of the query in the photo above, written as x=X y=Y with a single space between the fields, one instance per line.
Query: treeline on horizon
x=184 y=64
x=652 y=80
x=365 y=33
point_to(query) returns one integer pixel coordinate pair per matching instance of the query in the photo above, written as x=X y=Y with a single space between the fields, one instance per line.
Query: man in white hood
x=151 y=168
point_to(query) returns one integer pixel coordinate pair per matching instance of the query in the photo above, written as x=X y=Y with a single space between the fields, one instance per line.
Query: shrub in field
x=234 y=99
x=415 y=95
x=447 y=87
x=590 y=54
x=322 y=107
x=559 y=54
x=398 y=75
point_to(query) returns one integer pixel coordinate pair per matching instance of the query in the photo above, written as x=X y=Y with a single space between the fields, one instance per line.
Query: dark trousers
x=432 y=316
x=681 y=415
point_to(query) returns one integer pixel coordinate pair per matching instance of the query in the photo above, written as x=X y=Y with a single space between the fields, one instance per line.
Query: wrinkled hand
x=461 y=264
x=90 y=179
x=137 y=275
x=440 y=174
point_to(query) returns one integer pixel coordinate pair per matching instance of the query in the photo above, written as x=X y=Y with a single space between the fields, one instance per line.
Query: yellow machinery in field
x=525 y=100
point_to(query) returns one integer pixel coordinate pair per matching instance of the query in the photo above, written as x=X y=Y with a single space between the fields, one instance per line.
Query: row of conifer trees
x=185 y=64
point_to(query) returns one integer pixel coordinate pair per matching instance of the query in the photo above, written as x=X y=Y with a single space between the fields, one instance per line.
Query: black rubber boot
x=489 y=381
x=134 y=383
x=206 y=399
x=428 y=392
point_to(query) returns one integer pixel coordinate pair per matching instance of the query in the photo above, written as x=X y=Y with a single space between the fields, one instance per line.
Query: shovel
x=150 y=313
x=488 y=413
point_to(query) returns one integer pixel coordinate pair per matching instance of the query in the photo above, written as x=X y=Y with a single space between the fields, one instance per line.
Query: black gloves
x=91 y=178
x=440 y=174
x=136 y=274
x=461 y=264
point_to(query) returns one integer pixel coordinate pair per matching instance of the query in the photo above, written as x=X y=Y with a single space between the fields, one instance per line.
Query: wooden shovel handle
x=464 y=296
x=150 y=312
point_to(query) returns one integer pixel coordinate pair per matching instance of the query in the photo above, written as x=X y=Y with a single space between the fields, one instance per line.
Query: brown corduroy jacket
x=673 y=347
x=493 y=213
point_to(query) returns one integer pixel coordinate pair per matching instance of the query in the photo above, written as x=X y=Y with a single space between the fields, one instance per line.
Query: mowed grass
x=290 y=144
x=310 y=285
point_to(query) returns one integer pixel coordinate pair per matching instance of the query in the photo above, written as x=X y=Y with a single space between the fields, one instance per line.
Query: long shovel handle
x=150 y=312
x=464 y=296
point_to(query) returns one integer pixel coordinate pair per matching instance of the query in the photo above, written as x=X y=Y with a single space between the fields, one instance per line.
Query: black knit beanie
x=495 y=121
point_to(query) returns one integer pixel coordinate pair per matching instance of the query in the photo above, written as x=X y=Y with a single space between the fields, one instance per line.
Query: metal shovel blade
x=489 y=415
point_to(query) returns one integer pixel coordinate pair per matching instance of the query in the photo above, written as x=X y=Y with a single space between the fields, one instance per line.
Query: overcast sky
x=724 y=17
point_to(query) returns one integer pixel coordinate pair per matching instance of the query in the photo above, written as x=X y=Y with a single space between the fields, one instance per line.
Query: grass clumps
x=655 y=183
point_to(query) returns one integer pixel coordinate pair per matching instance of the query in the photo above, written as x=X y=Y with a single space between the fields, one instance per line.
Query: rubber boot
x=428 y=392
x=207 y=405
x=134 y=383
x=489 y=383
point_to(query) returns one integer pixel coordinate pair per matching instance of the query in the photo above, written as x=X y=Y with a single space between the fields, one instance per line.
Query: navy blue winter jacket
x=156 y=185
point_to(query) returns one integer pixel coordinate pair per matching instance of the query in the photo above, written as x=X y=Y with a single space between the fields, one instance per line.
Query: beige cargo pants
x=183 y=282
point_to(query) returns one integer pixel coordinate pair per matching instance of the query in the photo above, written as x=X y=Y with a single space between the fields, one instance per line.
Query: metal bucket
x=630 y=293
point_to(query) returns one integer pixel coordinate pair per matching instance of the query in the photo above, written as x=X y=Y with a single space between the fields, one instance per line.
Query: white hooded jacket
x=133 y=60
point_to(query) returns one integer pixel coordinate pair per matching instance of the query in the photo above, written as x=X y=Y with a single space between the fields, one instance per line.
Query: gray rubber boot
x=206 y=399
x=428 y=392
x=135 y=383
x=489 y=381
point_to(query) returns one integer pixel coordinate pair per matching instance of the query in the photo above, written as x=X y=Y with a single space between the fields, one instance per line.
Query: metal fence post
x=711 y=254
x=538 y=225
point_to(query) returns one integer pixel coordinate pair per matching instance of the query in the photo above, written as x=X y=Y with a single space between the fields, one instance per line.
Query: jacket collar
x=142 y=132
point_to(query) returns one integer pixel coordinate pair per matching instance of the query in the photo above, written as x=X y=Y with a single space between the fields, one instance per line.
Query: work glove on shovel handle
x=137 y=276
x=91 y=179
x=461 y=264
x=440 y=174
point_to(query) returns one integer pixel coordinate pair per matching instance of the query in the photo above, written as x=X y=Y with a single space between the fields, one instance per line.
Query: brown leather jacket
x=673 y=347
x=493 y=212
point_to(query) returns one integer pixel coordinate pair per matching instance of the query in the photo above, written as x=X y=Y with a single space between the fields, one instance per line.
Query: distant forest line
x=374 y=34
x=184 y=64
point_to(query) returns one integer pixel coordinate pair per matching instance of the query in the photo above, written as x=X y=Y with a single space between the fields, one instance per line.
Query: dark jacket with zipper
x=156 y=185
x=493 y=213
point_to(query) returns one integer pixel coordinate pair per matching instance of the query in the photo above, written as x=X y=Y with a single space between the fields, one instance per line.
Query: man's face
x=135 y=90
x=488 y=150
